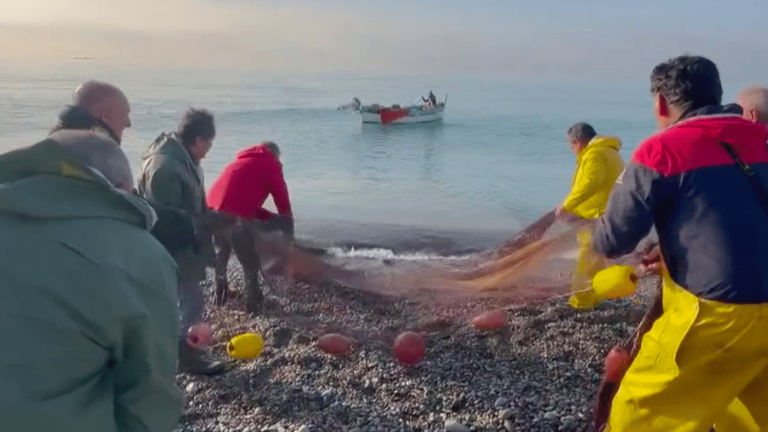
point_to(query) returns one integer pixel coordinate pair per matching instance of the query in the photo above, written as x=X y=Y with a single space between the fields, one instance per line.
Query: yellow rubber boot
x=589 y=263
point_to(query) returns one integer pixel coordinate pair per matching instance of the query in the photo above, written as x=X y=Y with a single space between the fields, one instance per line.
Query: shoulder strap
x=760 y=191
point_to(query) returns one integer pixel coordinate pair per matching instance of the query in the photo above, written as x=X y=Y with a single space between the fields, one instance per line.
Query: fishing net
x=547 y=260
x=373 y=300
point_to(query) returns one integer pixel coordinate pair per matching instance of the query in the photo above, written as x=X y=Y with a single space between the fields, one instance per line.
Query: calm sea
x=497 y=162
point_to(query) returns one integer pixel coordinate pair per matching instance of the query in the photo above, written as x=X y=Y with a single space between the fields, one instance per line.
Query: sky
x=598 y=39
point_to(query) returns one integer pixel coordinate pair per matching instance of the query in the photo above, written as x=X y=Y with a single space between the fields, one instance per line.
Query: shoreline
x=399 y=238
x=539 y=373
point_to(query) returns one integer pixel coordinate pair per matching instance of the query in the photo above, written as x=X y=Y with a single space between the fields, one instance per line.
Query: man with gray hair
x=754 y=102
x=240 y=191
x=89 y=308
x=598 y=165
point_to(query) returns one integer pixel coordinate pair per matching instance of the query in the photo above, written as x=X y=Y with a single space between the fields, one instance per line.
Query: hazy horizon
x=590 y=39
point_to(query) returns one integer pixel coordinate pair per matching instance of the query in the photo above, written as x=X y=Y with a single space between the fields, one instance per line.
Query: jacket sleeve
x=174 y=229
x=629 y=216
x=587 y=183
x=163 y=187
x=146 y=397
x=279 y=190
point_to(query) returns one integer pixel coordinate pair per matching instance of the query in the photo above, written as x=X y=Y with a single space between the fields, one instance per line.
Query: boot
x=583 y=300
x=254 y=296
x=221 y=292
x=194 y=361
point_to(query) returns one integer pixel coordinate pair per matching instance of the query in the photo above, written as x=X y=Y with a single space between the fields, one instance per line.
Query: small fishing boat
x=424 y=110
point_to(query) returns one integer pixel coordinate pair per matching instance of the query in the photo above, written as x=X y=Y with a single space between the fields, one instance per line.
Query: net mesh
x=549 y=259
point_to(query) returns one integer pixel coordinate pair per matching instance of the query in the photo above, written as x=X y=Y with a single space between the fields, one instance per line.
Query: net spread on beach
x=548 y=260
x=374 y=300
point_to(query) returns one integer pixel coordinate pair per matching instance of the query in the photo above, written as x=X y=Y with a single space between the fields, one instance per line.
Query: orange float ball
x=334 y=344
x=616 y=364
x=492 y=320
x=410 y=348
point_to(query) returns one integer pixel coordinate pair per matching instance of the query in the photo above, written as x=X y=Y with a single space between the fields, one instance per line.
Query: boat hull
x=427 y=117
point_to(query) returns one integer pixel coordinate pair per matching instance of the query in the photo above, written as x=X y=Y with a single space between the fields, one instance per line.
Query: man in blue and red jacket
x=709 y=347
x=240 y=191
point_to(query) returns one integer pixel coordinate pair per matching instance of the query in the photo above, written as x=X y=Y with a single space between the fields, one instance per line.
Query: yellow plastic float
x=615 y=282
x=245 y=346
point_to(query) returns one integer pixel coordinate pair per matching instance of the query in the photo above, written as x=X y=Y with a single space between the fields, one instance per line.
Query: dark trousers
x=242 y=240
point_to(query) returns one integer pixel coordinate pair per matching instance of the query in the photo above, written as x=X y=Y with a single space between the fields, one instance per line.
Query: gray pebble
x=304 y=428
x=506 y=414
x=501 y=402
x=454 y=426
x=539 y=383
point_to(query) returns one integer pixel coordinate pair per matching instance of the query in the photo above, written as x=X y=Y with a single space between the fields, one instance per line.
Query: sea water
x=498 y=161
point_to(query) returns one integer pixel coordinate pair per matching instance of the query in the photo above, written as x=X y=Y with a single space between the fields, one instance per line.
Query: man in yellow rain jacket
x=702 y=183
x=598 y=165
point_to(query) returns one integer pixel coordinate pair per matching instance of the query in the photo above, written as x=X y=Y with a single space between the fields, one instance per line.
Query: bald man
x=754 y=102
x=103 y=108
x=100 y=107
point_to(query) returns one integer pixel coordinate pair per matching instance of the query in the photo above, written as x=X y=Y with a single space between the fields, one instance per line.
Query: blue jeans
x=191 y=305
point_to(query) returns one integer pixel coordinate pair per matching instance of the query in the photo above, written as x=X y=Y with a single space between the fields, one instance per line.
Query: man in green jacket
x=171 y=176
x=88 y=306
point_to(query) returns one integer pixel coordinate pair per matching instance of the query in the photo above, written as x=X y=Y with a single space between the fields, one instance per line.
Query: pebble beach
x=539 y=373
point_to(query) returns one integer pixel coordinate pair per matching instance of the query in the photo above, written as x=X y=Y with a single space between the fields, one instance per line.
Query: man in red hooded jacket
x=240 y=191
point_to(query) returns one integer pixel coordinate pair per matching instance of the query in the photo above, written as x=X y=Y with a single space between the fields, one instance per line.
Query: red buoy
x=410 y=348
x=492 y=320
x=334 y=344
x=616 y=364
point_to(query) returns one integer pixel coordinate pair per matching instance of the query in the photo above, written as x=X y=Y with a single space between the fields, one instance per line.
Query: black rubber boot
x=254 y=296
x=195 y=361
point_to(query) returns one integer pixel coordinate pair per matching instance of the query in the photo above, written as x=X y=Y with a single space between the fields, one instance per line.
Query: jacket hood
x=600 y=142
x=168 y=144
x=255 y=151
x=45 y=181
x=74 y=117
x=725 y=124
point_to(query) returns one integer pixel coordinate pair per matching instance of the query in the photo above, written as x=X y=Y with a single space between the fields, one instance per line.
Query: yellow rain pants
x=589 y=263
x=736 y=418
x=702 y=363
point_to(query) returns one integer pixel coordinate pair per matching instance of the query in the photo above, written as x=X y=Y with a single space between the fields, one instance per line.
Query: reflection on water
x=419 y=141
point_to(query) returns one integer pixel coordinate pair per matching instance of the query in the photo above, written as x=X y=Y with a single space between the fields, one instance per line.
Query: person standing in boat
x=598 y=165
x=430 y=100
x=240 y=191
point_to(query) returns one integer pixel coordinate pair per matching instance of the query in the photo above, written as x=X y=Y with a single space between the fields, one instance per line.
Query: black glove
x=283 y=224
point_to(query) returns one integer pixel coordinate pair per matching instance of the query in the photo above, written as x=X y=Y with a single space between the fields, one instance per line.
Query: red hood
x=731 y=129
x=254 y=151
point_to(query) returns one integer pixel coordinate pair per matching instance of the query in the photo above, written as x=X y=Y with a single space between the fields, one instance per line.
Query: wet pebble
x=506 y=414
x=537 y=383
